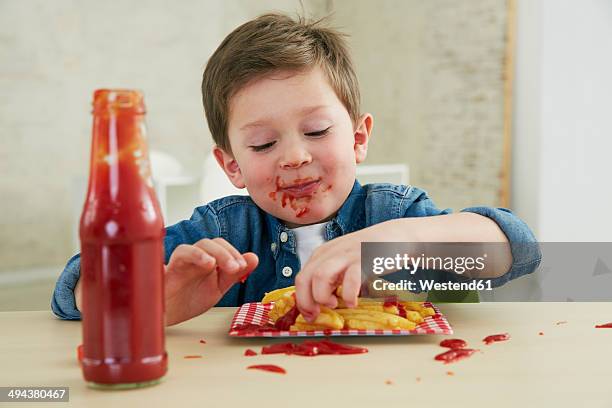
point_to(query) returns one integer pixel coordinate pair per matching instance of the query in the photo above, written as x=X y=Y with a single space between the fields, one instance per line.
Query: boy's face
x=294 y=146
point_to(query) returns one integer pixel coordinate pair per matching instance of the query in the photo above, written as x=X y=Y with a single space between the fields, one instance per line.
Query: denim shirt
x=248 y=228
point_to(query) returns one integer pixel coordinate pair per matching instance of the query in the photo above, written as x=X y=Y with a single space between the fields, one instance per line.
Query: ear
x=362 y=136
x=229 y=166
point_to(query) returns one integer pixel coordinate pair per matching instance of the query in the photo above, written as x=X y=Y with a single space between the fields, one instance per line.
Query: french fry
x=277 y=294
x=358 y=318
x=368 y=315
x=327 y=319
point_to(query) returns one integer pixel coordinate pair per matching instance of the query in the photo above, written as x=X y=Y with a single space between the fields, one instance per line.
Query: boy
x=282 y=103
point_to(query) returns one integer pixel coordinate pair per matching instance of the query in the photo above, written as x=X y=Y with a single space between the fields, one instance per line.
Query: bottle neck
x=119 y=158
x=121 y=205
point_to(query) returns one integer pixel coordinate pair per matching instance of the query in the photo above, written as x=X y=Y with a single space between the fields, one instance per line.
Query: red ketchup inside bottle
x=121 y=233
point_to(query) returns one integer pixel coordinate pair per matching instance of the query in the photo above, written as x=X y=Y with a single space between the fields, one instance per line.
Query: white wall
x=562 y=130
x=53 y=55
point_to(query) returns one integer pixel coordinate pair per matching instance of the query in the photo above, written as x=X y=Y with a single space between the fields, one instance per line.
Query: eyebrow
x=262 y=122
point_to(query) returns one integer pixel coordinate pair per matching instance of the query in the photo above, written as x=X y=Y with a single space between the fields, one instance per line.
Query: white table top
x=569 y=365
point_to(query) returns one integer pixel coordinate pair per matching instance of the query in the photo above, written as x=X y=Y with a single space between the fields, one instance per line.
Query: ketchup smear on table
x=453 y=343
x=249 y=353
x=496 y=337
x=454 y=355
x=268 y=367
x=604 y=326
x=312 y=348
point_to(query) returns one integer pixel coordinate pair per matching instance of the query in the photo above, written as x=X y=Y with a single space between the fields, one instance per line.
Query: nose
x=296 y=155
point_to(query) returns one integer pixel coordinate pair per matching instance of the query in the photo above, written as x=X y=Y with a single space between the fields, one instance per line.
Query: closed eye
x=319 y=133
x=262 y=147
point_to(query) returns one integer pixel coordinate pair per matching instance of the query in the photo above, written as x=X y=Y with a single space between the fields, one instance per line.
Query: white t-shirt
x=307 y=238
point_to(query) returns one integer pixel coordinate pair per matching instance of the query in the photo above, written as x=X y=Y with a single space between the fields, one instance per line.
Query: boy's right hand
x=197 y=276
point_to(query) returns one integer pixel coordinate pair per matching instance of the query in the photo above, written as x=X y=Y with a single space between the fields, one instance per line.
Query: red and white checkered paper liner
x=257 y=314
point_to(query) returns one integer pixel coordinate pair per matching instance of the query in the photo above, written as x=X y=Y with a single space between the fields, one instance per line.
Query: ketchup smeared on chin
x=297 y=202
x=268 y=367
x=496 y=337
x=311 y=348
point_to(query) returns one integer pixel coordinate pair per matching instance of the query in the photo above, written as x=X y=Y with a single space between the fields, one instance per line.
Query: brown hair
x=269 y=43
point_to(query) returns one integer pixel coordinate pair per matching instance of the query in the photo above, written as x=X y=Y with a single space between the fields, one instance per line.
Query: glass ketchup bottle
x=121 y=233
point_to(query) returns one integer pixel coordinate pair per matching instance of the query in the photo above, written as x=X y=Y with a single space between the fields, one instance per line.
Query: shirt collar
x=341 y=223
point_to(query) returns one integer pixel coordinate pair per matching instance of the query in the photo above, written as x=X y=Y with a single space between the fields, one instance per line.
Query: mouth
x=303 y=188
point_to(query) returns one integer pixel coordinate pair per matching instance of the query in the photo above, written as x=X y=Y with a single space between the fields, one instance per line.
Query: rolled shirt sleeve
x=63 y=303
x=526 y=254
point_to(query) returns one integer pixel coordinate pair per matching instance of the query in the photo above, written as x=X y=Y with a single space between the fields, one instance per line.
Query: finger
x=351 y=285
x=188 y=254
x=186 y=264
x=325 y=281
x=226 y=280
x=225 y=260
x=252 y=261
x=233 y=251
x=303 y=295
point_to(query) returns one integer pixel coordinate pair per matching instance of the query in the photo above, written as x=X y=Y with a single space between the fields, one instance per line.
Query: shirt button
x=273 y=246
x=284 y=236
x=287 y=271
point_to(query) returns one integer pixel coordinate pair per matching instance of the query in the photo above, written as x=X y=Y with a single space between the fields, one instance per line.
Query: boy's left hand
x=335 y=263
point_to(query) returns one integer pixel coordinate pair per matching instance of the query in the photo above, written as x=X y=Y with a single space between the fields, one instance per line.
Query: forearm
x=461 y=227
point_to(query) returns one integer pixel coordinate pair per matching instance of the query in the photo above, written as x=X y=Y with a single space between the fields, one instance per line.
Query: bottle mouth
x=118 y=100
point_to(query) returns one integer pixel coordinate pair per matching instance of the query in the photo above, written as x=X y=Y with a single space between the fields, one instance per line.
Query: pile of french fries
x=370 y=314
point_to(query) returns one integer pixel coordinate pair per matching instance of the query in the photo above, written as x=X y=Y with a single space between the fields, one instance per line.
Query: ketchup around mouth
x=298 y=203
